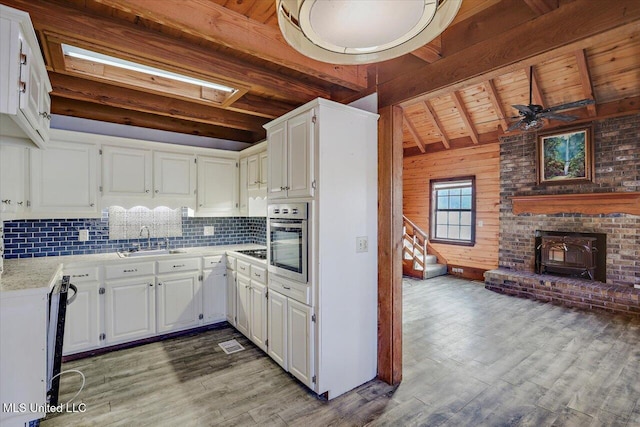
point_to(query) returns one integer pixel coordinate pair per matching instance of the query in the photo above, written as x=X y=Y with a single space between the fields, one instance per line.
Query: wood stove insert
x=571 y=254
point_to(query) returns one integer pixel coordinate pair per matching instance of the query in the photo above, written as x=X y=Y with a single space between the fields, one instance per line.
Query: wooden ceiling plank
x=65 y=86
x=430 y=52
x=490 y=86
x=464 y=114
x=105 y=113
x=220 y=25
x=591 y=23
x=413 y=132
x=585 y=79
x=540 y=7
x=151 y=48
x=536 y=92
x=433 y=118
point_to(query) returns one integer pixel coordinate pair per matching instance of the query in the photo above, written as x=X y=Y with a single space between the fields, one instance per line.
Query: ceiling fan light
x=363 y=31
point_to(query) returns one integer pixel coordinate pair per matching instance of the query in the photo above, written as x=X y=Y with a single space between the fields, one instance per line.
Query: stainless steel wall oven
x=287 y=242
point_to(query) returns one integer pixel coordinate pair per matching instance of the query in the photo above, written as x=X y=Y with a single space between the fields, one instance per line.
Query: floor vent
x=231 y=346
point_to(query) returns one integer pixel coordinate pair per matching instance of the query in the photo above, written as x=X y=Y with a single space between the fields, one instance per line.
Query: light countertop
x=33 y=273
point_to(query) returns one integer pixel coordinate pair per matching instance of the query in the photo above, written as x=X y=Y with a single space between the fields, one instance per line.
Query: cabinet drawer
x=243 y=268
x=231 y=262
x=170 y=266
x=82 y=274
x=128 y=270
x=297 y=291
x=258 y=274
x=215 y=261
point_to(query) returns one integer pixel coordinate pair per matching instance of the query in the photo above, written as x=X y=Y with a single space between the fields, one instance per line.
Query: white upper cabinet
x=264 y=167
x=217 y=186
x=244 y=195
x=13 y=177
x=24 y=84
x=126 y=172
x=290 y=157
x=253 y=172
x=174 y=176
x=64 y=179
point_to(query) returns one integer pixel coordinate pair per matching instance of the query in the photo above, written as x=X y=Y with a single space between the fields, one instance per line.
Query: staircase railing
x=414 y=242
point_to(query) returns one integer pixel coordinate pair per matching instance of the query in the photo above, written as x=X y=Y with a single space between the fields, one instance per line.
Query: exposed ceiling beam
x=106 y=113
x=125 y=40
x=262 y=107
x=540 y=7
x=414 y=133
x=536 y=92
x=585 y=79
x=591 y=23
x=490 y=87
x=464 y=114
x=433 y=118
x=218 y=24
x=430 y=52
x=80 y=89
x=456 y=143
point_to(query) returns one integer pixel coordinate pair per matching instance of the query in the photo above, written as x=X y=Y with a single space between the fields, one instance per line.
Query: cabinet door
x=82 y=324
x=253 y=172
x=264 y=168
x=243 y=308
x=258 y=319
x=300 y=341
x=63 y=179
x=277 y=328
x=31 y=81
x=214 y=295
x=179 y=302
x=126 y=171
x=174 y=175
x=244 y=185
x=300 y=158
x=13 y=167
x=130 y=307
x=217 y=186
x=232 y=292
x=277 y=157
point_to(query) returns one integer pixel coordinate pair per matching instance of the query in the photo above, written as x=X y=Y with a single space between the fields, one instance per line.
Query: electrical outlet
x=362 y=244
x=457 y=270
x=208 y=230
x=636 y=286
x=83 y=235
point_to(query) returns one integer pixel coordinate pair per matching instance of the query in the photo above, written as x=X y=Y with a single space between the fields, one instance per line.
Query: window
x=453 y=209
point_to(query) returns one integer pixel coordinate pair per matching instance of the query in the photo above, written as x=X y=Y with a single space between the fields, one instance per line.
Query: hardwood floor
x=471 y=358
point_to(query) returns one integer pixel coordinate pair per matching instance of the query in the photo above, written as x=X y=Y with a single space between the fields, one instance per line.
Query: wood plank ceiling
x=237 y=42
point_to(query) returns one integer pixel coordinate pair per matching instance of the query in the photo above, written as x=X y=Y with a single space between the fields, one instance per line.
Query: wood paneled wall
x=483 y=161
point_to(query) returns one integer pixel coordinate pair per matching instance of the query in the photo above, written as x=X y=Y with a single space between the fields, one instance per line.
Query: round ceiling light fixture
x=362 y=31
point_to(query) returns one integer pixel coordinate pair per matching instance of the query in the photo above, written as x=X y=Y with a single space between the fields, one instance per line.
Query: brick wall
x=53 y=237
x=617 y=169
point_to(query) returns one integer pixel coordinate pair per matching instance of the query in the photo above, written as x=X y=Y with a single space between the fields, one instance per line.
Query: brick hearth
x=565 y=290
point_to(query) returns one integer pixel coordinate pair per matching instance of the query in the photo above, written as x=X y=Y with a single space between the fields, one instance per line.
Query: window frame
x=433 y=211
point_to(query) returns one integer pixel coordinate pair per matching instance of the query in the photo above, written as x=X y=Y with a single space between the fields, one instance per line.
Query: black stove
x=256 y=253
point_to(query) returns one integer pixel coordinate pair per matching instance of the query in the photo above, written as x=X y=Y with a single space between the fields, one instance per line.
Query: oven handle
x=286 y=225
x=75 y=293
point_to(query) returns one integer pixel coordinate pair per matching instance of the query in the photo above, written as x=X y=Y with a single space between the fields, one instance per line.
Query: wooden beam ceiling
x=490 y=87
x=585 y=79
x=433 y=118
x=414 y=133
x=464 y=115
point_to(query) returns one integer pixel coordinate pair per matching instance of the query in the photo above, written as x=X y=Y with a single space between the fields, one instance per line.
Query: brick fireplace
x=617 y=170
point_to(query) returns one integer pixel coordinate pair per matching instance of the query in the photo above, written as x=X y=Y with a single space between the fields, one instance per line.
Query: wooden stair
x=416 y=262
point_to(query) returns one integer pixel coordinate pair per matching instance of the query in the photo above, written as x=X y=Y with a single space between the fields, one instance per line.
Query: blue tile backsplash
x=53 y=237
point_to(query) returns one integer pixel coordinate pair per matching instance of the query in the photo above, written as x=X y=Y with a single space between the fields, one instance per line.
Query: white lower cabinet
x=258 y=318
x=232 y=293
x=299 y=343
x=214 y=295
x=179 y=302
x=243 y=309
x=83 y=320
x=130 y=309
x=277 y=328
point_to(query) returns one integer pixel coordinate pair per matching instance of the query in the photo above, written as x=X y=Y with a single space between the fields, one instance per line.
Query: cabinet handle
x=22 y=87
x=23 y=59
x=146 y=191
x=286 y=287
x=201 y=205
x=19 y=203
x=151 y=285
x=80 y=275
x=178 y=266
x=157 y=191
x=257 y=275
x=92 y=204
x=45 y=115
x=159 y=284
x=133 y=270
x=7 y=201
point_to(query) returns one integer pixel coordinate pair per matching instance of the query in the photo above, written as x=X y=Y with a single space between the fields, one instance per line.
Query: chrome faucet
x=144 y=227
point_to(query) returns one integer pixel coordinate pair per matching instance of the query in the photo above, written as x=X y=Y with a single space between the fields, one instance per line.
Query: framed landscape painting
x=565 y=156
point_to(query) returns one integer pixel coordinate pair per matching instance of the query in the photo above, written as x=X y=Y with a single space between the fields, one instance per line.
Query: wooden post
x=390 y=245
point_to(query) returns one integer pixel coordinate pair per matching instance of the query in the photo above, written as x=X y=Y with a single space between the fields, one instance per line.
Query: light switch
x=208 y=230
x=362 y=244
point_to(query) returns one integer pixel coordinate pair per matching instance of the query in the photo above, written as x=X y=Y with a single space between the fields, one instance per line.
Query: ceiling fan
x=531 y=117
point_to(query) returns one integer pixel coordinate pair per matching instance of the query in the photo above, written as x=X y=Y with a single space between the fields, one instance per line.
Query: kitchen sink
x=150 y=252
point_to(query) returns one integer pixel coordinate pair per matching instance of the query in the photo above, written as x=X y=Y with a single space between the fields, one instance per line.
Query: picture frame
x=565 y=156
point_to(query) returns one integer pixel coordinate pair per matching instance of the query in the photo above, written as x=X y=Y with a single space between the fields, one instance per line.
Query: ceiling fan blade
x=515 y=125
x=524 y=109
x=568 y=105
x=561 y=117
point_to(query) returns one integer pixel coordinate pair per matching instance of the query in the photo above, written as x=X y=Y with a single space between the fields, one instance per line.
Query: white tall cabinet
x=325 y=154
